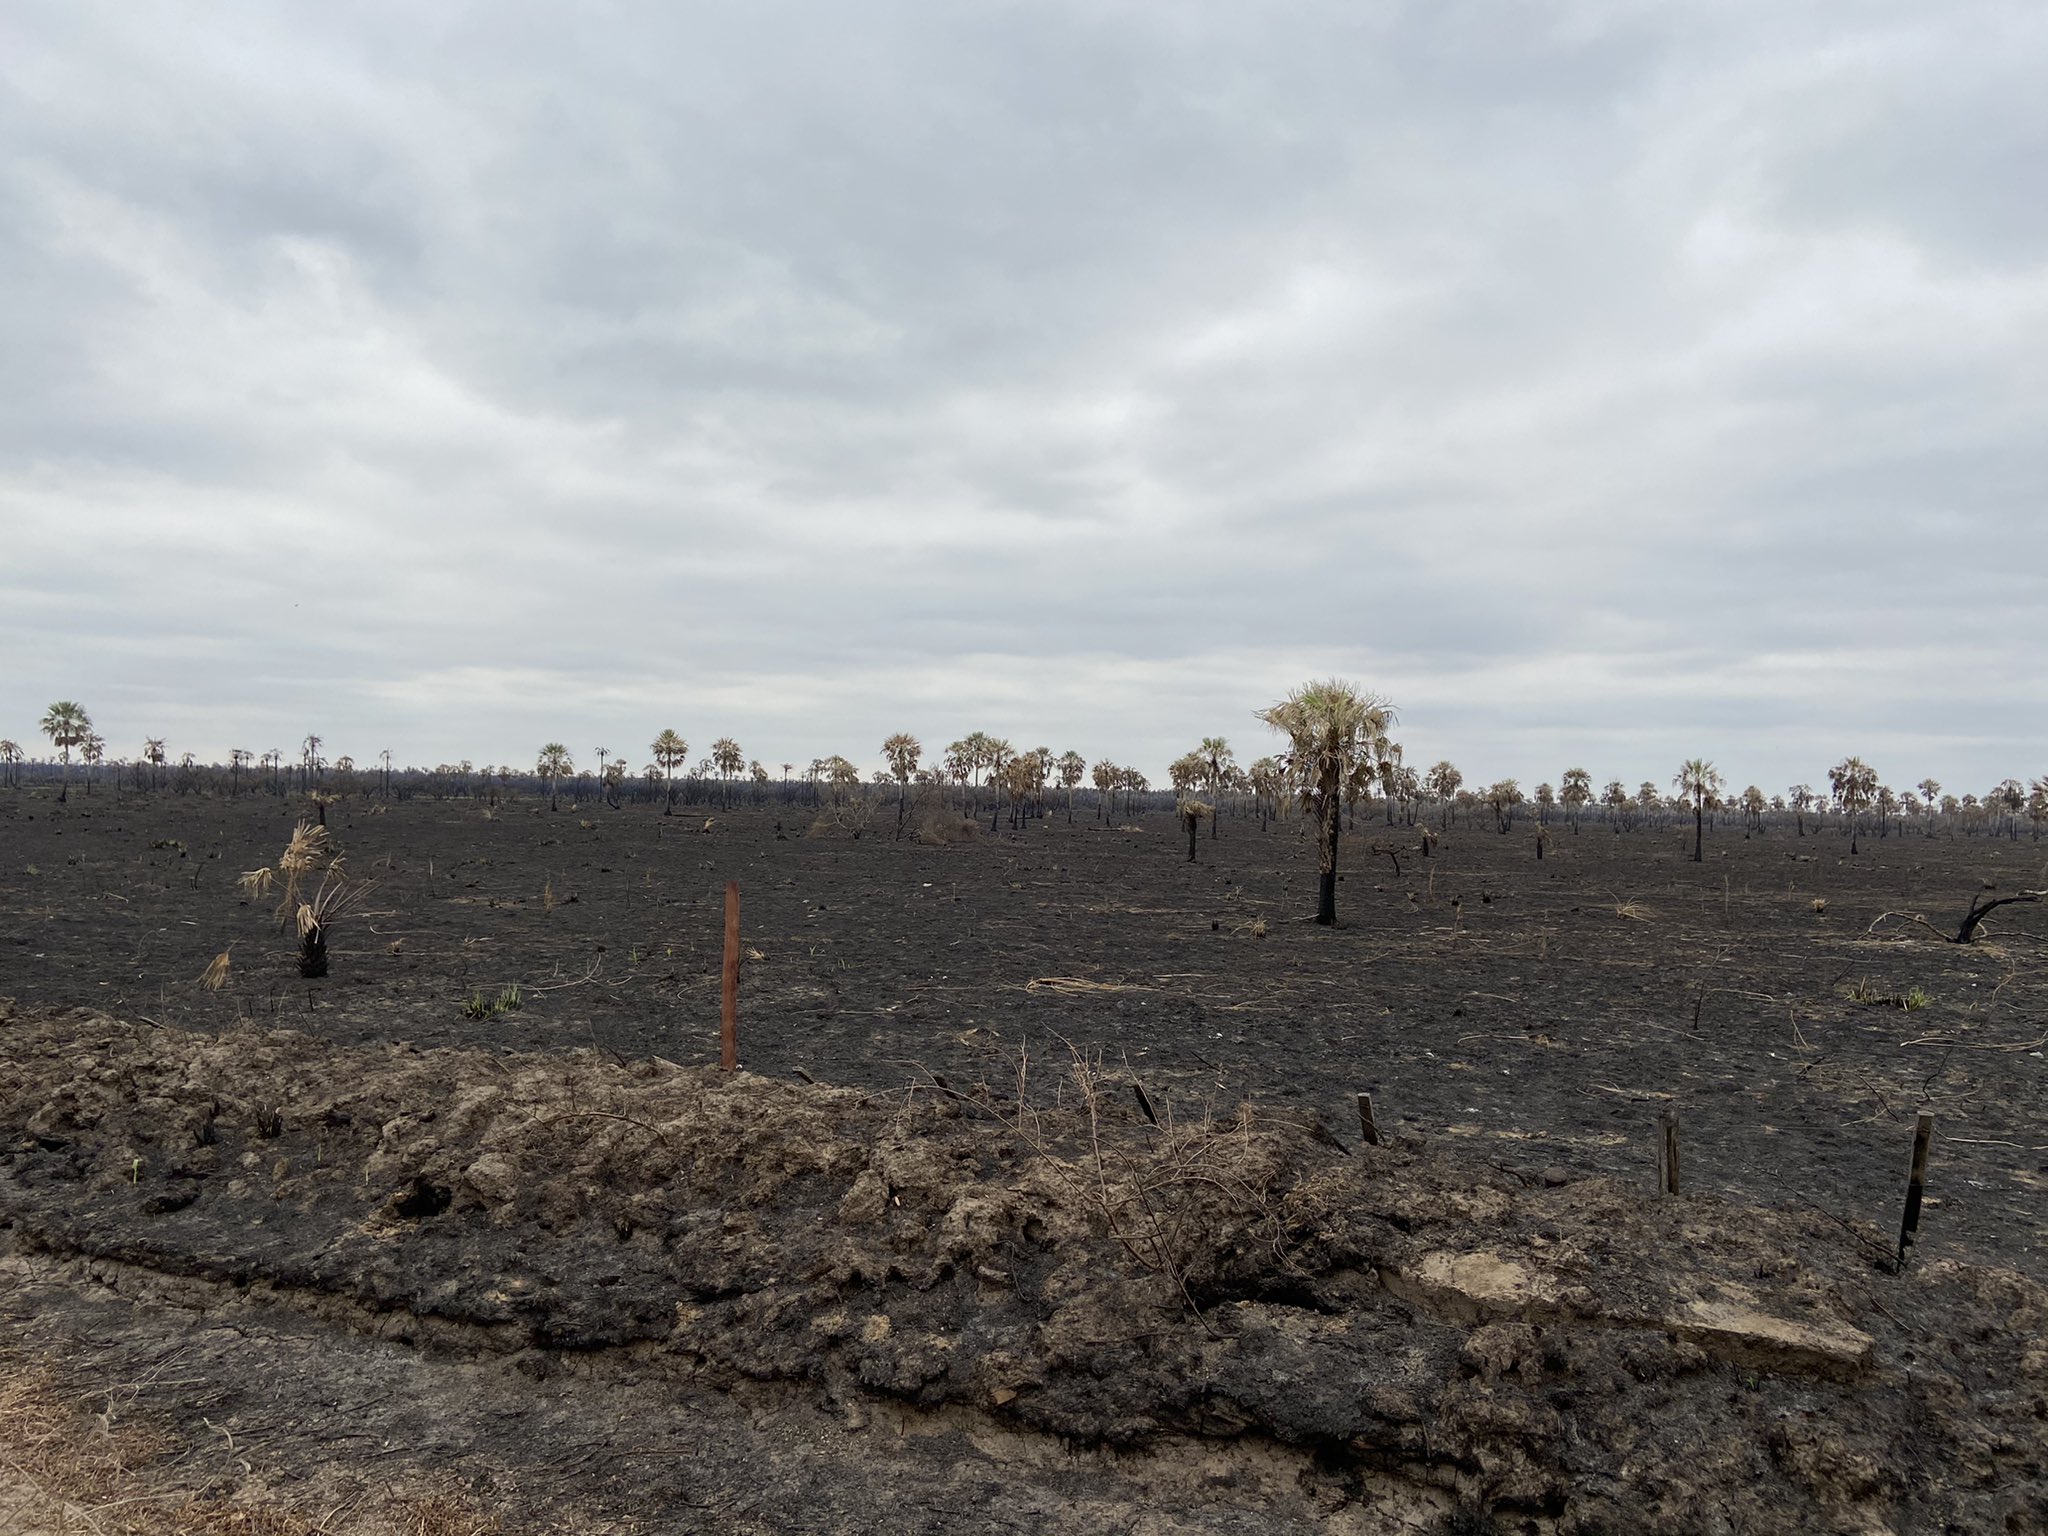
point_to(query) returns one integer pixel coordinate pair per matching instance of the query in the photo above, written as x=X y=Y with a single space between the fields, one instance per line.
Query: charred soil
x=350 y=1235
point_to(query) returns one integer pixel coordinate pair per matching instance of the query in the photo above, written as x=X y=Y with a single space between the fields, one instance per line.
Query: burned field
x=483 y=1193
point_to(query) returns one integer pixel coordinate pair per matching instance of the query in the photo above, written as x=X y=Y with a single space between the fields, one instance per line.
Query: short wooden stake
x=729 y=1020
x=1667 y=1154
x=1368 y=1127
x=1916 y=1183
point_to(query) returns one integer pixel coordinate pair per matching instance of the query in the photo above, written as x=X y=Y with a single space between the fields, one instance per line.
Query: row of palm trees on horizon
x=981 y=761
x=1338 y=751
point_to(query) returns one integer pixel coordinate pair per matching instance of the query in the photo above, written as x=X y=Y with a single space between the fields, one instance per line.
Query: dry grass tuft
x=215 y=976
x=1077 y=985
x=1820 y=906
x=257 y=883
x=1634 y=911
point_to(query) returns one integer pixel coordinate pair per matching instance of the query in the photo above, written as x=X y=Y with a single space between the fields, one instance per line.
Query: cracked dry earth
x=600 y=1296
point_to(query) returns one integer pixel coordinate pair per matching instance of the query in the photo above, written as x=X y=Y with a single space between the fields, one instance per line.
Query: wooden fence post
x=729 y=1020
x=1368 y=1127
x=1916 y=1183
x=1667 y=1152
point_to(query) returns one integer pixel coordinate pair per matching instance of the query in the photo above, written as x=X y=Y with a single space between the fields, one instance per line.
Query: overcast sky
x=1606 y=383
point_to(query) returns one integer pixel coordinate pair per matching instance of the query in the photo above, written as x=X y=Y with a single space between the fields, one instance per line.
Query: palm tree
x=1443 y=782
x=1104 y=776
x=1855 y=785
x=1132 y=783
x=1699 y=778
x=603 y=754
x=1753 y=806
x=10 y=758
x=553 y=765
x=1334 y=732
x=901 y=752
x=153 y=754
x=1930 y=792
x=2008 y=797
x=309 y=761
x=1267 y=778
x=67 y=725
x=1575 y=789
x=1800 y=798
x=1073 y=767
x=727 y=757
x=670 y=751
x=1503 y=796
x=1217 y=757
x=1621 y=811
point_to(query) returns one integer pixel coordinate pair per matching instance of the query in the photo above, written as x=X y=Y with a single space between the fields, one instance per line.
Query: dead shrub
x=850 y=815
x=942 y=829
x=1189 y=1198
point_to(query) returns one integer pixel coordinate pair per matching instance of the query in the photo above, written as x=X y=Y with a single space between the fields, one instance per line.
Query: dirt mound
x=1459 y=1335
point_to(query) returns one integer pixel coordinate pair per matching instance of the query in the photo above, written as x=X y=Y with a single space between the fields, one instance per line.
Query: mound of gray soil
x=1236 y=1322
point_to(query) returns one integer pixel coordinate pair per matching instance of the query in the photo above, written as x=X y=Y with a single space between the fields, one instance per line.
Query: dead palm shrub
x=310 y=853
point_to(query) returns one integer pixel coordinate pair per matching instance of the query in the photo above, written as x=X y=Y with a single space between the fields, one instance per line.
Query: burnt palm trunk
x=1326 y=890
x=1699 y=823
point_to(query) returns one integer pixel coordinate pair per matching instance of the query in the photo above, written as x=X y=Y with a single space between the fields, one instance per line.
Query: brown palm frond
x=215 y=976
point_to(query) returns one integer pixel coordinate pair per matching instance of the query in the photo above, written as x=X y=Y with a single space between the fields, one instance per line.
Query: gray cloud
x=1608 y=382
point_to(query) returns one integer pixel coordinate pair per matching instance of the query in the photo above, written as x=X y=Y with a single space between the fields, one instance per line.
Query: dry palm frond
x=334 y=897
x=309 y=852
x=308 y=849
x=314 y=917
x=215 y=976
x=257 y=882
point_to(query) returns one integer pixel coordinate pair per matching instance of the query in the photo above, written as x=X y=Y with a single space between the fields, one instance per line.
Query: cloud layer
x=1608 y=383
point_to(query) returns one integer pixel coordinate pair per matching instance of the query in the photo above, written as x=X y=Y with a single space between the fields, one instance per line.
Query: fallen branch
x=1979 y=910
